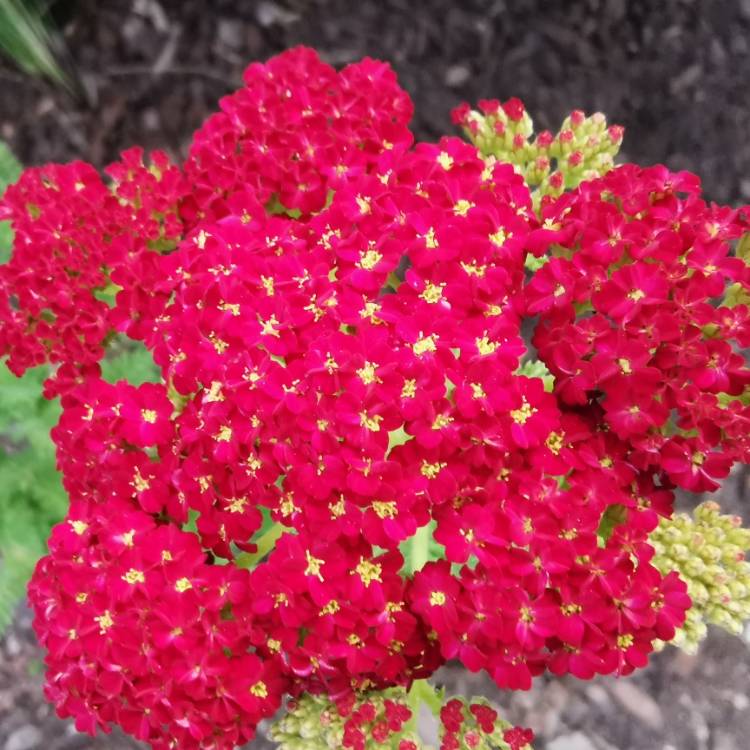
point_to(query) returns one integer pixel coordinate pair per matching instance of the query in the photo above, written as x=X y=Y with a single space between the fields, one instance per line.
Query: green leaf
x=129 y=360
x=32 y=498
x=614 y=516
x=398 y=437
x=420 y=549
x=277 y=208
x=736 y=294
x=743 y=248
x=532 y=263
x=26 y=40
x=10 y=170
x=265 y=539
x=535 y=368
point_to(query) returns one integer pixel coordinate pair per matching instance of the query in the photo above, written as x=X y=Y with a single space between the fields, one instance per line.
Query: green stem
x=422 y=692
x=425 y=693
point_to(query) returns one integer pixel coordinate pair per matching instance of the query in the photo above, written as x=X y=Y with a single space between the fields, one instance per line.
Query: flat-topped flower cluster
x=337 y=314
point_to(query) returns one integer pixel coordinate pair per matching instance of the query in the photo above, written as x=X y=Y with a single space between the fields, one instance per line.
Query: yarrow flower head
x=351 y=470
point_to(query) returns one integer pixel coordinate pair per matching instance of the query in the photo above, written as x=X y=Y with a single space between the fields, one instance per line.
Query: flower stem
x=422 y=691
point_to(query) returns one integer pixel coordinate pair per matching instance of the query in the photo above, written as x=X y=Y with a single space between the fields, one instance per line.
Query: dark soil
x=674 y=72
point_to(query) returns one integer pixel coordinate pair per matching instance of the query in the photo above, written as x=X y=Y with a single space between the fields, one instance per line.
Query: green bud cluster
x=708 y=550
x=314 y=722
x=583 y=148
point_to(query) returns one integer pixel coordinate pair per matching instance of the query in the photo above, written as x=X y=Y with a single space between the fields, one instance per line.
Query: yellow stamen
x=134 y=576
x=369 y=571
x=368 y=259
x=313 y=566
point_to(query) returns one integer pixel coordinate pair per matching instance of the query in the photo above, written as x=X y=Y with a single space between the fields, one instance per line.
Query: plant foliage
x=25 y=39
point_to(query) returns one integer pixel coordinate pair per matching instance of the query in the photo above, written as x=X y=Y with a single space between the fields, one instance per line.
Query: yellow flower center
x=430 y=240
x=624 y=641
x=134 y=576
x=331 y=608
x=370 y=423
x=313 y=566
x=424 y=344
x=486 y=346
x=369 y=571
x=224 y=435
x=259 y=689
x=441 y=421
x=498 y=238
x=104 y=621
x=431 y=470
x=367 y=373
x=462 y=207
x=522 y=415
x=363 y=204
x=410 y=389
x=445 y=160
x=368 y=259
x=385 y=509
x=79 y=527
x=432 y=293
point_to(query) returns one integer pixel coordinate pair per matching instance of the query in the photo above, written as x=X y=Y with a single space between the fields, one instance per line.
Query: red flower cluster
x=350 y=375
x=365 y=721
x=135 y=623
x=466 y=728
x=635 y=319
x=74 y=238
x=295 y=132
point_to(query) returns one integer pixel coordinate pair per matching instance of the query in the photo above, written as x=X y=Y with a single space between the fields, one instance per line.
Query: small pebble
x=574 y=741
x=638 y=703
x=26 y=737
x=457 y=75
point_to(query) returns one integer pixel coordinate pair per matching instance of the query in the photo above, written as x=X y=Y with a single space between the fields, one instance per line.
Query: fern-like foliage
x=10 y=169
x=31 y=493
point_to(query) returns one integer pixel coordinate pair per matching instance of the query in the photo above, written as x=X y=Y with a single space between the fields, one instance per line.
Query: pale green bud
x=709 y=553
x=584 y=148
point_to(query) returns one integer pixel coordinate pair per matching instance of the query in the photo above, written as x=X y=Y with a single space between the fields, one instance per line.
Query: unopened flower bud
x=581 y=149
x=709 y=553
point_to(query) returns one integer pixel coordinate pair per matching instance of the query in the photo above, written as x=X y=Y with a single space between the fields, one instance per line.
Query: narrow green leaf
x=25 y=39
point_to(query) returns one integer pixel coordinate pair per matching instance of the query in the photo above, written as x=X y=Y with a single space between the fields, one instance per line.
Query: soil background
x=674 y=72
